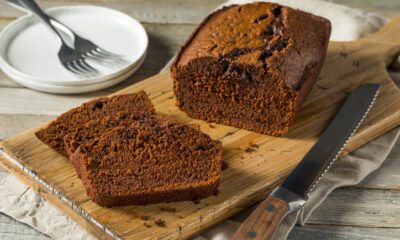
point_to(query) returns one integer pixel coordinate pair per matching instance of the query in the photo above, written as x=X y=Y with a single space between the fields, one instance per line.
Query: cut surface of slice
x=95 y=128
x=156 y=159
x=53 y=134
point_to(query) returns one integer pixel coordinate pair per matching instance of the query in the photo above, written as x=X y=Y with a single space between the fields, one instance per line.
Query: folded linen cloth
x=23 y=204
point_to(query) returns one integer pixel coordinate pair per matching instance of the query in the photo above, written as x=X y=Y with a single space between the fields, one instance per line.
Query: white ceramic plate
x=44 y=87
x=29 y=49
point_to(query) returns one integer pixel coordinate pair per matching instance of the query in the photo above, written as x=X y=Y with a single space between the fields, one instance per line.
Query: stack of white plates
x=28 y=49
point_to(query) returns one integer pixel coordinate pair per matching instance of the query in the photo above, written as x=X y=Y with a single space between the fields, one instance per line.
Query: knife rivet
x=270 y=208
x=252 y=234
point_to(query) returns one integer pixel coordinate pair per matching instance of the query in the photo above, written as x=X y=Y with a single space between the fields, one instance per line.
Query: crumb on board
x=179 y=216
x=211 y=126
x=141 y=216
x=72 y=184
x=356 y=63
x=167 y=209
x=159 y=222
x=145 y=224
x=250 y=147
x=197 y=201
x=253 y=145
x=224 y=166
x=217 y=192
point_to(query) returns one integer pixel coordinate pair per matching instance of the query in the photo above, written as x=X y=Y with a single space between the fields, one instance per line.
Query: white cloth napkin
x=23 y=204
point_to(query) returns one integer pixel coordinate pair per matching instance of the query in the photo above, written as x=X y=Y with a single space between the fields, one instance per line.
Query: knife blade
x=295 y=190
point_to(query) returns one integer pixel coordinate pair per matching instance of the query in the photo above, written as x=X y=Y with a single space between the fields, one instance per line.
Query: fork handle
x=32 y=6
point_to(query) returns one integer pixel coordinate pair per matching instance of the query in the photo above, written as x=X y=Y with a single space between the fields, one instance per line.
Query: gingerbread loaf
x=100 y=108
x=156 y=159
x=251 y=66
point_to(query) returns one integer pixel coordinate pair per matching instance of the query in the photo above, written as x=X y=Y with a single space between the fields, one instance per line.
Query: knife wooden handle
x=261 y=224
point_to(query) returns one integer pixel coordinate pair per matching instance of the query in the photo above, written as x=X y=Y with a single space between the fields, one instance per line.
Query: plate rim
x=69 y=90
x=86 y=81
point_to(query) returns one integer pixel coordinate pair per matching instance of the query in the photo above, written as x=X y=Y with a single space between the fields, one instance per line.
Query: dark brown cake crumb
x=224 y=166
x=179 y=216
x=211 y=126
x=253 y=145
x=197 y=201
x=146 y=224
x=343 y=54
x=159 y=222
x=141 y=216
x=248 y=149
x=217 y=192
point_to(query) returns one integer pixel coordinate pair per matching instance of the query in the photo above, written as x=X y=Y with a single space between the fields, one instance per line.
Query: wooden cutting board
x=251 y=174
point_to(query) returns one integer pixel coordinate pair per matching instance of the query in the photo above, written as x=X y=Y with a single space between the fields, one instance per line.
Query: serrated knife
x=295 y=190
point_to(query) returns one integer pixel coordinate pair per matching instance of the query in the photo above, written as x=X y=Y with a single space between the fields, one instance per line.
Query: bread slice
x=95 y=128
x=53 y=134
x=156 y=159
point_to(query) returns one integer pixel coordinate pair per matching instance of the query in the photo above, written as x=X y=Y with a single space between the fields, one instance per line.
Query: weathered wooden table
x=370 y=210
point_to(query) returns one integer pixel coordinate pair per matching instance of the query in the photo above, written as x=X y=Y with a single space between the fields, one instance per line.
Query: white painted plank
x=359 y=207
x=25 y=101
x=342 y=233
x=11 y=125
x=144 y=11
x=171 y=35
x=7 y=82
x=386 y=177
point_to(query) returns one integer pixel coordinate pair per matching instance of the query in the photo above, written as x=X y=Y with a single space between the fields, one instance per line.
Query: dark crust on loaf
x=261 y=84
x=53 y=134
x=136 y=178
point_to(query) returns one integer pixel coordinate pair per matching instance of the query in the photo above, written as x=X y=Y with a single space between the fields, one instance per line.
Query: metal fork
x=71 y=59
x=88 y=48
x=83 y=45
